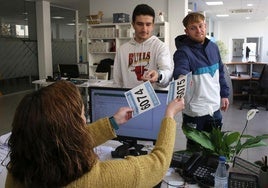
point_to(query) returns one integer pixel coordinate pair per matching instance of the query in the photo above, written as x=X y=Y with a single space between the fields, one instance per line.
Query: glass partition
x=18 y=50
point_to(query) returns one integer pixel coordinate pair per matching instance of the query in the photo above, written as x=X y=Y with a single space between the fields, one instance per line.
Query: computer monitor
x=105 y=101
x=69 y=70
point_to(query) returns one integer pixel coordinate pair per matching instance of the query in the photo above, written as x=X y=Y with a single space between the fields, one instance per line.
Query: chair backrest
x=101 y=75
x=264 y=77
x=229 y=82
x=105 y=66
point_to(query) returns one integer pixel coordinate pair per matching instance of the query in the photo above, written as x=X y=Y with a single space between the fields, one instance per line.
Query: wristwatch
x=159 y=77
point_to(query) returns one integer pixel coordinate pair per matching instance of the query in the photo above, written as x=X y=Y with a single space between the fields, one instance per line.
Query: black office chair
x=263 y=86
x=229 y=83
x=257 y=89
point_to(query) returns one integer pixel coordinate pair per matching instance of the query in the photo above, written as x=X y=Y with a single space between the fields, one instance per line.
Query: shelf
x=102 y=53
x=113 y=38
x=124 y=38
x=105 y=36
x=101 y=24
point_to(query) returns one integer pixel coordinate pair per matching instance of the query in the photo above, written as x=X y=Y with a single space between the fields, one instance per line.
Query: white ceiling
x=259 y=8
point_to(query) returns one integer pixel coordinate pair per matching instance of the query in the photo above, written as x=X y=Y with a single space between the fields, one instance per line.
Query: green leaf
x=253 y=142
x=200 y=137
x=231 y=138
x=254 y=145
x=227 y=143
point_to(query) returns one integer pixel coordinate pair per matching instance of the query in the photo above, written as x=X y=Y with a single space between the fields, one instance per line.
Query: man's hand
x=151 y=75
x=224 y=104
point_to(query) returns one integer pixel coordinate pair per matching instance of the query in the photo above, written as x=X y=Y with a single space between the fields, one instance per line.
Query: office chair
x=257 y=89
x=105 y=66
x=263 y=85
x=229 y=83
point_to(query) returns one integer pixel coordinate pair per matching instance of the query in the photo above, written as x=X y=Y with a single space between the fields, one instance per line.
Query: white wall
x=63 y=31
x=226 y=31
x=124 y=6
x=178 y=9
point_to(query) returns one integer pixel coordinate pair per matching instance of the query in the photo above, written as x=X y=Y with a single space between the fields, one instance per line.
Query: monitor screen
x=105 y=101
x=69 y=70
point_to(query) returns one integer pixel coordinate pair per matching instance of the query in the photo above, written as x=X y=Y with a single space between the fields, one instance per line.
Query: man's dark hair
x=143 y=9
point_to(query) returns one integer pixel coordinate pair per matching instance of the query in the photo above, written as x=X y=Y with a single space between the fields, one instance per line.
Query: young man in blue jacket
x=209 y=91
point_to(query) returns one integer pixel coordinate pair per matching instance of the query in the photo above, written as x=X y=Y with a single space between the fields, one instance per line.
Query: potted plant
x=223 y=50
x=228 y=144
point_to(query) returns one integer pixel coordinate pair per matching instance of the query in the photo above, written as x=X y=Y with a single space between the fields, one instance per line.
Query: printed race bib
x=142 y=98
x=178 y=88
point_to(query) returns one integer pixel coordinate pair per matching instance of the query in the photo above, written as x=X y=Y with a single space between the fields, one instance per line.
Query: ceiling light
x=214 y=3
x=222 y=15
x=58 y=17
x=247 y=17
x=249 y=5
x=241 y=10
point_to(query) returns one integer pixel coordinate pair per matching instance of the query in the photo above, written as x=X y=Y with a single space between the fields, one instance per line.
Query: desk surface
x=245 y=63
x=171 y=179
x=87 y=83
x=241 y=77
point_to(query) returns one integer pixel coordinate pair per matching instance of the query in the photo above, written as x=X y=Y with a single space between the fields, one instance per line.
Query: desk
x=241 y=77
x=104 y=152
x=88 y=83
x=171 y=177
x=245 y=70
x=3 y=153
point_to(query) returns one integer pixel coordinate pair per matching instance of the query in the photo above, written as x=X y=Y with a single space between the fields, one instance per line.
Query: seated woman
x=52 y=146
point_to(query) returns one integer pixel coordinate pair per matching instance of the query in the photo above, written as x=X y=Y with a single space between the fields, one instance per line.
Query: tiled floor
x=233 y=120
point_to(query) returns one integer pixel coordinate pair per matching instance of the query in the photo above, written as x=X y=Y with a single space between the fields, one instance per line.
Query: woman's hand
x=123 y=115
x=174 y=107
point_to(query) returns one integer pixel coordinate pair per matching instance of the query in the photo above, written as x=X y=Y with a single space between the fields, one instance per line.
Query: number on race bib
x=140 y=91
x=181 y=87
x=142 y=100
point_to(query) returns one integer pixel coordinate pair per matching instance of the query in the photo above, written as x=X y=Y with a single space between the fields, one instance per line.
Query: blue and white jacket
x=208 y=82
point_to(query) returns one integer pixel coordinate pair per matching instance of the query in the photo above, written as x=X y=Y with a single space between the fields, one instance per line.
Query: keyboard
x=78 y=81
